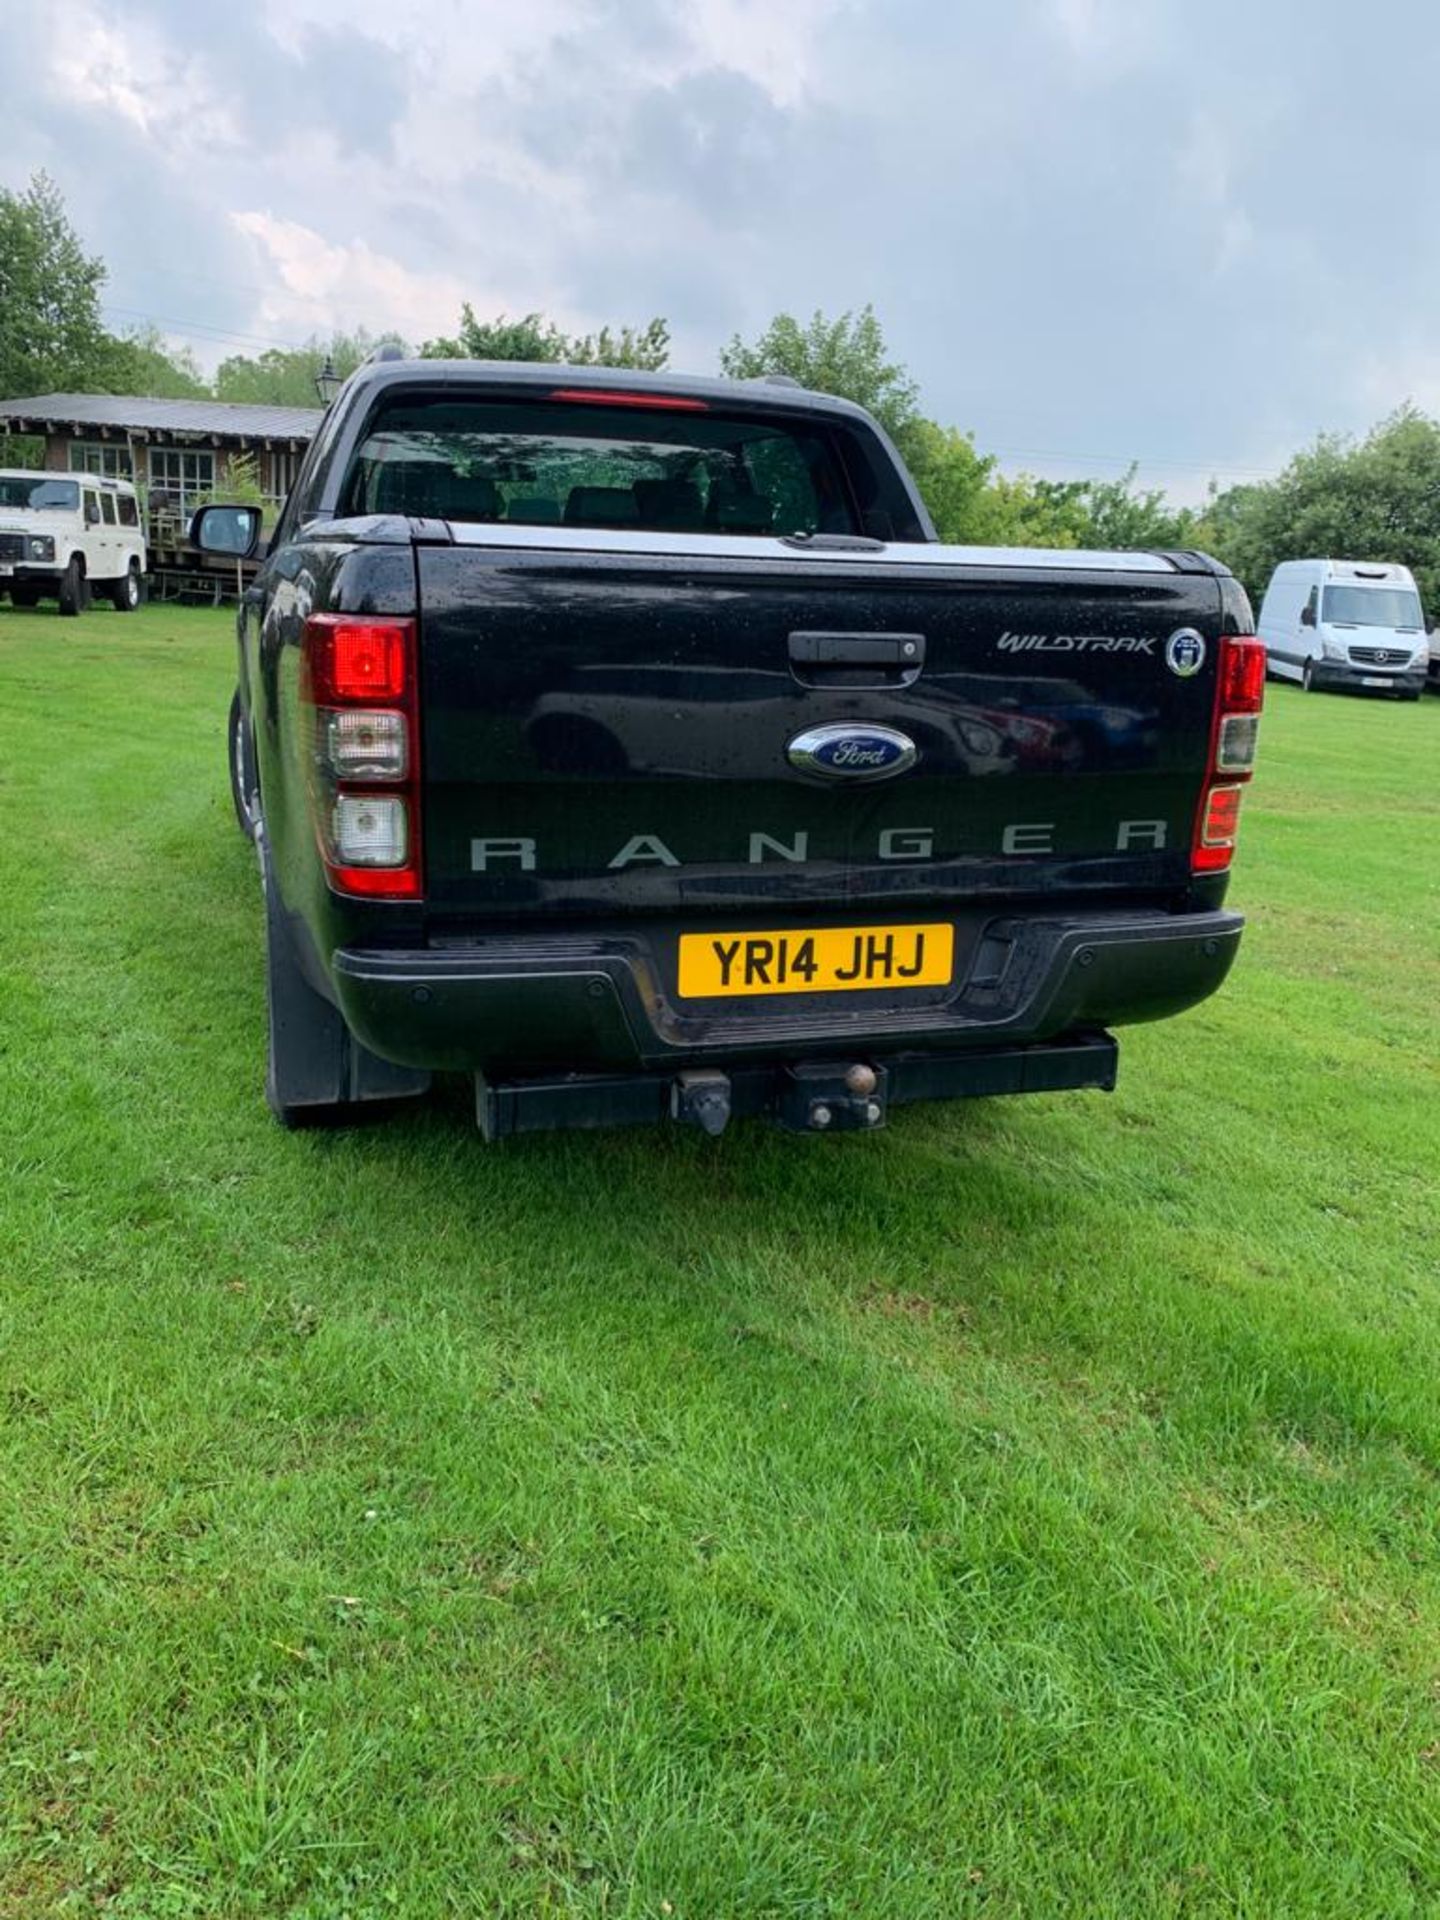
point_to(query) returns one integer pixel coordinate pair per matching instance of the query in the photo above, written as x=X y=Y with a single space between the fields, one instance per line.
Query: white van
x=62 y=534
x=1345 y=623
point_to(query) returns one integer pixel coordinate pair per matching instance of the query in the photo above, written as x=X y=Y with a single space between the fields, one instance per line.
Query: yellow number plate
x=814 y=960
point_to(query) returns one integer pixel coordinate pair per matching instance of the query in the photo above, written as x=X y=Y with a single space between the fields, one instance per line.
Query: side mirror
x=1307 y=616
x=92 y=513
x=232 y=532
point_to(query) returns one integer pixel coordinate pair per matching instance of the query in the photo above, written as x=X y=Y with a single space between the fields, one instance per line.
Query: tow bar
x=803 y=1096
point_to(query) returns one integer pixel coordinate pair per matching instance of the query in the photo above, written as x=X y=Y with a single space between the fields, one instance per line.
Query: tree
x=51 y=337
x=955 y=482
x=1113 y=514
x=141 y=362
x=285 y=376
x=1375 y=499
x=1021 y=511
x=846 y=356
x=533 y=337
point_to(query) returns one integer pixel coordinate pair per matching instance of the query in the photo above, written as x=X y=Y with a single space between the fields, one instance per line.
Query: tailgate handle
x=857 y=659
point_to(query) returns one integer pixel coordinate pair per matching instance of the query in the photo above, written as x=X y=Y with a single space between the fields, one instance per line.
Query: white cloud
x=314 y=285
x=772 y=45
x=1101 y=228
x=136 y=74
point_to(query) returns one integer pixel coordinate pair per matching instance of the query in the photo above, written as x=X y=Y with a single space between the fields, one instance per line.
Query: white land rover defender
x=64 y=534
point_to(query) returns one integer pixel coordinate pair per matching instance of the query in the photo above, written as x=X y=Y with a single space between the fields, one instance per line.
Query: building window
x=179 y=477
x=90 y=456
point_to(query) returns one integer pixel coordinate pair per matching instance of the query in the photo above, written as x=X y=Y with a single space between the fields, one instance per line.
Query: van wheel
x=129 y=590
x=74 y=588
x=24 y=593
x=1307 y=677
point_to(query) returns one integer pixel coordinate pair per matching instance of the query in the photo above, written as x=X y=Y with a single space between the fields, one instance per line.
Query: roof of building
x=180 y=419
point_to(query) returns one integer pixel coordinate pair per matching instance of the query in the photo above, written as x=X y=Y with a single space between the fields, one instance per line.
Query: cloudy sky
x=1097 y=230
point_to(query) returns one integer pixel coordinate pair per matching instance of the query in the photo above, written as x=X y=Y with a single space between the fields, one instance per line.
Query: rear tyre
x=316 y=1073
x=74 y=588
x=129 y=590
x=244 y=783
x=1307 y=677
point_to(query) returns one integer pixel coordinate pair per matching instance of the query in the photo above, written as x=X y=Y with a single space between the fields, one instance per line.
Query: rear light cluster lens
x=370 y=830
x=1242 y=675
x=1221 y=821
x=359 y=679
x=355 y=659
x=1239 y=737
x=1234 y=737
x=360 y=745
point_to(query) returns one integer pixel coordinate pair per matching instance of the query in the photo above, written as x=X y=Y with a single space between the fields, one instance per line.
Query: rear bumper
x=527 y=1003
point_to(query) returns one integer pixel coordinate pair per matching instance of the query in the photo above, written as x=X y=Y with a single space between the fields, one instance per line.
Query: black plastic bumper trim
x=526 y=1004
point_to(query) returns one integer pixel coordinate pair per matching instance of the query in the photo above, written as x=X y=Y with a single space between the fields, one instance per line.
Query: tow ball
x=808 y=1096
x=826 y=1096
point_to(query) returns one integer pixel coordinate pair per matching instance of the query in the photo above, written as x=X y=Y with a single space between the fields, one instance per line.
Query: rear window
x=579 y=464
x=129 y=517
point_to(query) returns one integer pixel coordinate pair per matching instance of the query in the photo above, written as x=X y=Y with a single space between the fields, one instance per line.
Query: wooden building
x=175 y=449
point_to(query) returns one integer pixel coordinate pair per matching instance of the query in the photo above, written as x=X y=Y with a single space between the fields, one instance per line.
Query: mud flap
x=315 y=1068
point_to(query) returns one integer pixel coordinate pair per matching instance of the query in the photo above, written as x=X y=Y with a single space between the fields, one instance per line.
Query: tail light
x=358 y=681
x=1234 y=736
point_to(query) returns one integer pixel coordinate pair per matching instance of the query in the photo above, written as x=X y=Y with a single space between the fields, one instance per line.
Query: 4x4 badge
x=1185 y=652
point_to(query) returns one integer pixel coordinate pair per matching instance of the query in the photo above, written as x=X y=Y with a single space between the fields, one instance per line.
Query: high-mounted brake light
x=611 y=397
x=359 y=679
x=1234 y=736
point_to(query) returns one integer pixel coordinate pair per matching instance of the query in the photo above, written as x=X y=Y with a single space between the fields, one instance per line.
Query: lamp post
x=328 y=382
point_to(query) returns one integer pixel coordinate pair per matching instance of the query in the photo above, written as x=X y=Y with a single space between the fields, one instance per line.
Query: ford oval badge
x=852 y=752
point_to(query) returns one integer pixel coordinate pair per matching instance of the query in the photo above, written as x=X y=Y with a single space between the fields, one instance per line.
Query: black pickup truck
x=630 y=744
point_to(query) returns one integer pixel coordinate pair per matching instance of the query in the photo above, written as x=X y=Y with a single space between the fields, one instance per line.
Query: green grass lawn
x=1029 y=1511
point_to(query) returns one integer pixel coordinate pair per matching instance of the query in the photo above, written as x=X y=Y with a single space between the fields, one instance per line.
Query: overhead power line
x=204 y=327
x=1140 y=460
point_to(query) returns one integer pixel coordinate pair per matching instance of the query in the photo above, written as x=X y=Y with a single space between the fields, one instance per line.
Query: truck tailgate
x=611 y=734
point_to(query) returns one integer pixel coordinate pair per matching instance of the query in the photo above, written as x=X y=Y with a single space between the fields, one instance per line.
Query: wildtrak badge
x=1076 y=643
